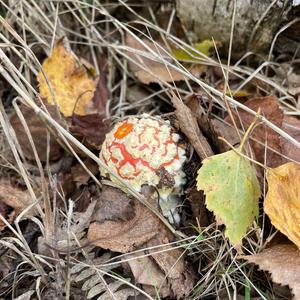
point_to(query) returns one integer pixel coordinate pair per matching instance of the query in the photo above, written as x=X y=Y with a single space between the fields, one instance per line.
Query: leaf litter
x=100 y=221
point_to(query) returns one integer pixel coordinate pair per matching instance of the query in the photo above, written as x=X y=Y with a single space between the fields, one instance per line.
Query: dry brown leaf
x=154 y=71
x=270 y=109
x=199 y=210
x=38 y=130
x=146 y=272
x=283 y=262
x=113 y=205
x=282 y=203
x=12 y=198
x=177 y=273
x=116 y=230
x=120 y=232
x=90 y=129
x=80 y=175
x=189 y=126
x=71 y=81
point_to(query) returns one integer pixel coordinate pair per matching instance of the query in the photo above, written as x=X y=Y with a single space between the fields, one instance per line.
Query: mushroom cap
x=143 y=151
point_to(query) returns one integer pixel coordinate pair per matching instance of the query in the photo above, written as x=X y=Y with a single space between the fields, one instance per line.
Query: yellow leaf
x=70 y=80
x=282 y=203
x=204 y=47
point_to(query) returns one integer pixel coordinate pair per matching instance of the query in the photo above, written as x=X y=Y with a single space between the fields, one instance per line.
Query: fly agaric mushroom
x=145 y=151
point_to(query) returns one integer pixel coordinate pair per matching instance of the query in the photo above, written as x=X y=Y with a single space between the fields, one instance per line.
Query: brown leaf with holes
x=263 y=136
x=283 y=262
x=38 y=130
x=12 y=202
x=282 y=202
x=189 y=126
x=147 y=68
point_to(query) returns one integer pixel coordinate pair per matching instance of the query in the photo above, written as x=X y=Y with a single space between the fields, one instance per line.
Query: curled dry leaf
x=69 y=82
x=267 y=137
x=282 y=203
x=283 y=262
x=189 y=126
x=38 y=130
x=154 y=71
x=147 y=272
x=116 y=229
x=12 y=201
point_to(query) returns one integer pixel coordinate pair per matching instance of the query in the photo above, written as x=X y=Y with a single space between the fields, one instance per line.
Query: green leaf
x=232 y=192
x=204 y=47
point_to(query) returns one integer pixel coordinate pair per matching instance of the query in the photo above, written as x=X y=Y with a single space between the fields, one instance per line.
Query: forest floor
x=195 y=194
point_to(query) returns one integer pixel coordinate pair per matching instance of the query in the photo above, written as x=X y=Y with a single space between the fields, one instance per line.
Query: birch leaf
x=282 y=203
x=232 y=192
x=72 y=82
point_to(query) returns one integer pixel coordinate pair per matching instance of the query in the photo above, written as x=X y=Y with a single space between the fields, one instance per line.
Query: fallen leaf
x=12 y=202
x=282 y=202
x=206 y=47
x=38 y=130
x=72 y=82
x=232 y=192
x=189 y=126
x=154 y=71
x=147 y=272
x=118 y=231
x=266 y=136
x=196 y=199
x=113 y=205
x=291 y=126
x=283 y=262
x=80 y=175
x=178 y=274
x=90 y=129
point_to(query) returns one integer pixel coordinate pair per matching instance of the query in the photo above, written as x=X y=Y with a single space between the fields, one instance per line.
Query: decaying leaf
x=283 y=262
x=150 y=69
x=72 y=82
x=147 y=272
x=12 y=201
x=197 y=201
x=232 y=192
x=282 y=203
x=38 y=130
x=266 y=136
x=117 y=230
x=178 y=275
x=189 y=126
x=89 y=129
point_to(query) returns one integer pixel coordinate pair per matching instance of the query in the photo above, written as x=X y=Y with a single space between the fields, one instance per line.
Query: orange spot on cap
x=123 y=130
